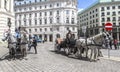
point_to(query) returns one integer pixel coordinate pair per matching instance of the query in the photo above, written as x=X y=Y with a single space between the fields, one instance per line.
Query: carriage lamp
x=9 y=22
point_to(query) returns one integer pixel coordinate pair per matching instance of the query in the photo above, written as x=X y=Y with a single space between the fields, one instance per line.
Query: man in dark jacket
x=68 y=36
x=35 y=44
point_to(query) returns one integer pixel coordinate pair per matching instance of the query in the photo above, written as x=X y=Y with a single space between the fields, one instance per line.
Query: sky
x=83 y=4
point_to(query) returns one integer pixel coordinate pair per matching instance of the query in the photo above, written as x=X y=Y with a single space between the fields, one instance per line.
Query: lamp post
x=9 y=23
x=84 y=31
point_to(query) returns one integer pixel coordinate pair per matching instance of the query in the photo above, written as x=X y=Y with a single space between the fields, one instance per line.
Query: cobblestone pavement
x=48 y=61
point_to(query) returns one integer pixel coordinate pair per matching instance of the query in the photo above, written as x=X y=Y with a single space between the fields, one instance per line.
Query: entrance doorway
x=51 y=37
x=45 y=37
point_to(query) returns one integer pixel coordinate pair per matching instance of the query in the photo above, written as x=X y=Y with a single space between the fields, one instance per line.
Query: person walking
x=115 y=43
x=35 y=44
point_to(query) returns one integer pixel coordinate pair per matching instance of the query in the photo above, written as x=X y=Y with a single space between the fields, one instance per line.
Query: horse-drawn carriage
x=16 y=45
x=89 y=47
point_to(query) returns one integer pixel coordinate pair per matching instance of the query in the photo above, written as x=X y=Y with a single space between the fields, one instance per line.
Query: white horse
x=92 y=43
x=11 y=44
x=23 y=43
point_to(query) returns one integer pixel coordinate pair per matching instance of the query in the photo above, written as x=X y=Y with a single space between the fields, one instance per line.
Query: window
x=24 y=22
x=113 y=7
x=40 y=7
x=96 y=15
x=73 y=28
x=103 y=19
x=108 y=8
x=118 y=12
x=113 y=13
x=29 y=30
x=57 y=4
x=72 y=21
x=40 y=29
x=30 y=8
x=35 y=14
x=67 y=20
x=102 y=8
x=35 y=1
x=50 y=5
x=73 y=12
x=57 y=12
x=58 y=20
x=20 y=16
x=103 y=14
x=20 y=9
x=93 y=21
x=114 y=18
x=93 y=11
x=67 y=28
x=30 y=22
x=90 y=12
x=40 y=14
x=108 y=18
x=51 y=29
x=19 y=22
x=45 y=29
x=5 y=3
x=40 y=21
x=96 y=20
x=58 y=29
x=118 y=7
x=45 y=6
x=50 y=13
x=35 y=22
x=45 y=13
x=67 y=11
x=103 y=24
x=108 y=13
x=96 y=10
x=45 y=21
x=30 y=2
x=114 y=24
x=30 y=15
x=35 y=30
x=118 y=18
x=50 y=20
x=35 y=7
x=24 y=8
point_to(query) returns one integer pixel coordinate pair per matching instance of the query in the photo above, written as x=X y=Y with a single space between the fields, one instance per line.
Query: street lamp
x=84 y=31
x=9 y=23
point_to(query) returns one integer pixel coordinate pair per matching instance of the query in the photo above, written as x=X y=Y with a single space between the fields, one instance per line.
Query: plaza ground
x=48 y=61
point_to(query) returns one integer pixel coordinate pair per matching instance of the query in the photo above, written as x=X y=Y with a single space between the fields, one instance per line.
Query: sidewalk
x=114 y=54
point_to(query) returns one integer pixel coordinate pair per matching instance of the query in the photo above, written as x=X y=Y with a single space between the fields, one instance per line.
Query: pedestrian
x=110 y=43
x=35 y=44
x=115 y=43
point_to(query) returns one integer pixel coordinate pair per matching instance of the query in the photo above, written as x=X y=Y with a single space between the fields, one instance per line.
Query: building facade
x=47 y=18
x=6 y=16
x=95 y=17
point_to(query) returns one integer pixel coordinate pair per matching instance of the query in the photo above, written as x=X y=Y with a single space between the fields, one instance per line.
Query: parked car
x=39 y=40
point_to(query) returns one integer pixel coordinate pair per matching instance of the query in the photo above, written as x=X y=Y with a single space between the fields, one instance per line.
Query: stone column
x=43 y=36
x=2 y=3
x=48 y=38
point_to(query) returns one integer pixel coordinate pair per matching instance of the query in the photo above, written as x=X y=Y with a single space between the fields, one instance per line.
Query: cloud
x=79 y=10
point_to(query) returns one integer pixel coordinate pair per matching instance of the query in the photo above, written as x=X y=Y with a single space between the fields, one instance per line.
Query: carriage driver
x=69 y=35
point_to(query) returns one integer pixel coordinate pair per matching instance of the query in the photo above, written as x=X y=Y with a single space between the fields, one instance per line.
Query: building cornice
x=43 y=10
x=98 y=4
x=52 y=25
x=39 y=3
x=8 y=14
